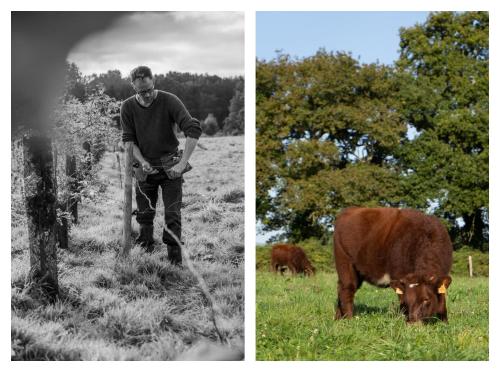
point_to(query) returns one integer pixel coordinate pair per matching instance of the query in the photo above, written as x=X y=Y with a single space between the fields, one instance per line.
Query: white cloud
x=198 y=42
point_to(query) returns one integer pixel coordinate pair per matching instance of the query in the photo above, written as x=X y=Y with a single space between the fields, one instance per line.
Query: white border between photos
x=250 y=7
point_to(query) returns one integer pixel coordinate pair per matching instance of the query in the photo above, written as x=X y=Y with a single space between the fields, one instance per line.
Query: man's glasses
x=145 y=93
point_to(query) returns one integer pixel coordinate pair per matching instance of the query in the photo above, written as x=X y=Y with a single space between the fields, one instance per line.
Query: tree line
x=332 y=132
x=205 y=96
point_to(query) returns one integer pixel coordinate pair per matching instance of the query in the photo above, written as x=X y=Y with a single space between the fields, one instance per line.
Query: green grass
x=295 y=322
x=141 y=308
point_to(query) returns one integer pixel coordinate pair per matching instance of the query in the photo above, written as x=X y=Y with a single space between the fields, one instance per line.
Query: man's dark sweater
x=152 y=128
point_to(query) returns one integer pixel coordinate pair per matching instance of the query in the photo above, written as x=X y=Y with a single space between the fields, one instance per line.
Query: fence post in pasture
x=68 y=205
x=72 y=184
x=87 y=158
x=62 y=227
x=119 y=169
x=127 y=200
x=40 y=199
x=471 y=273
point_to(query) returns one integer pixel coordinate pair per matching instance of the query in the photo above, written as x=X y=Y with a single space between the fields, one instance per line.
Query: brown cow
x=402 y=248
x=292 y=257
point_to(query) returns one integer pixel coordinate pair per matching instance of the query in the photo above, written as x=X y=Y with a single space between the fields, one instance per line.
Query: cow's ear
x=443 y=283
x=398 y=286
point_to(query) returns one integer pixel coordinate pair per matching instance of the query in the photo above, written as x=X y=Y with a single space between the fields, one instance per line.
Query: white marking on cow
x=412 y=285
x=385 y=280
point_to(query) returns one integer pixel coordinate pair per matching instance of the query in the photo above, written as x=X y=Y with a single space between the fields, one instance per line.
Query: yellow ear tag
x=442 y=289
x=399 y=291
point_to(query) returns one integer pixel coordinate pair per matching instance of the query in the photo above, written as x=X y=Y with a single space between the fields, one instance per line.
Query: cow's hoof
x=340 y=316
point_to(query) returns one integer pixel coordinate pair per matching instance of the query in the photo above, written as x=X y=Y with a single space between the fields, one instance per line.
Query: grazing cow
x=292 y=257
x=402 y=248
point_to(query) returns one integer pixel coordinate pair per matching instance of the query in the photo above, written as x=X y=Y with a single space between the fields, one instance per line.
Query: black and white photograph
x=127 y=186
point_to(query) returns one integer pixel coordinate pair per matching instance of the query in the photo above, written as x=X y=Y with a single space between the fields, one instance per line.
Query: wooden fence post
x=40 y=199
x=62 y=228
x=62 y=225
x=127 y=200
x=73 y=187
x=471 y=273
x=70 y=204
x=119 y=169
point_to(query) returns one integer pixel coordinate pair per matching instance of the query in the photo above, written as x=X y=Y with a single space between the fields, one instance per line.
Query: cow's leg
x=349 y=281
x=345 y=302
x=274 y=266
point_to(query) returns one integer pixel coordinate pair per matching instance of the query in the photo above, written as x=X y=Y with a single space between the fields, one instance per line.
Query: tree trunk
x=473 y=230
x=40 y=200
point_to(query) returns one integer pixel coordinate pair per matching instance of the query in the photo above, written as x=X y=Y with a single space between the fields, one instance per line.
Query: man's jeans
x=171 y=191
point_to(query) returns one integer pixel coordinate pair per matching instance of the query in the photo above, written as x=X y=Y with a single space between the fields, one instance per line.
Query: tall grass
x=142 y=307
x=295 y=322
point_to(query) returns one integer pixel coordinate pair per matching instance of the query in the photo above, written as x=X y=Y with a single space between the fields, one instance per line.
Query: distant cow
x=402 y=248
x=292 y=257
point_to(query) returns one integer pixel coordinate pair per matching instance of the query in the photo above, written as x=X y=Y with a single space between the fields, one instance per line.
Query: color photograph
x=372 y=179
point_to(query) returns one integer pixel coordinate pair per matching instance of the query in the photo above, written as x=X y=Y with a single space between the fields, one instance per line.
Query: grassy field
x=142 y=308
x=295 y=322
x=295 y=316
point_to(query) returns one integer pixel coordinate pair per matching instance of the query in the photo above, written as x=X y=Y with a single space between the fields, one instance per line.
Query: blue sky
x=371 y=36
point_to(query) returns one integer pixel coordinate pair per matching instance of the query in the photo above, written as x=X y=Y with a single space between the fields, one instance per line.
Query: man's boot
x=145 y=238
x=174 y=254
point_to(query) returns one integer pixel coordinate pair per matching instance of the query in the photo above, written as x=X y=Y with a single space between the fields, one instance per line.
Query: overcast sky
x=198 y=42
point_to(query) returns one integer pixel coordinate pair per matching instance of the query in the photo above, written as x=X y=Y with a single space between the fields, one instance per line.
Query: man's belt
x=165 y=163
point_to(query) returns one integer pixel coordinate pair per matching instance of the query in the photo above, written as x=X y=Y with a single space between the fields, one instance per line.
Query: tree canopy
x=444 y=67
x=332 y=132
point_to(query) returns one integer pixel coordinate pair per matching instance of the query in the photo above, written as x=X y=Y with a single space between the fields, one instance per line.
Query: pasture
x=295 y=318
x=141 y=308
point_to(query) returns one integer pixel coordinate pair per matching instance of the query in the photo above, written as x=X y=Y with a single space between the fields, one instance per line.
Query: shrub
x=210 y=125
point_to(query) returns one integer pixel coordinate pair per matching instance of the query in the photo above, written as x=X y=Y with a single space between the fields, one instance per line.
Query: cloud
x=198 y=42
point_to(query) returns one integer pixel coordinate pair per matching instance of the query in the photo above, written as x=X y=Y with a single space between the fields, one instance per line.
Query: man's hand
x=176 y=170
x=148 y=169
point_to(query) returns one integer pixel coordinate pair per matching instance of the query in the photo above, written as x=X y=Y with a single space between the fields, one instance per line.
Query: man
x=148 y=121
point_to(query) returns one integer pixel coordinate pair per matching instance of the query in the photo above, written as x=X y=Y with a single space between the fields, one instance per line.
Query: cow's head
x=422 y=296
x=309 y=269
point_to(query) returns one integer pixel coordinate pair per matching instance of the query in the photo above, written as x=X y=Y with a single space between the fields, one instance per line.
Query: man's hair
x=140 y=72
